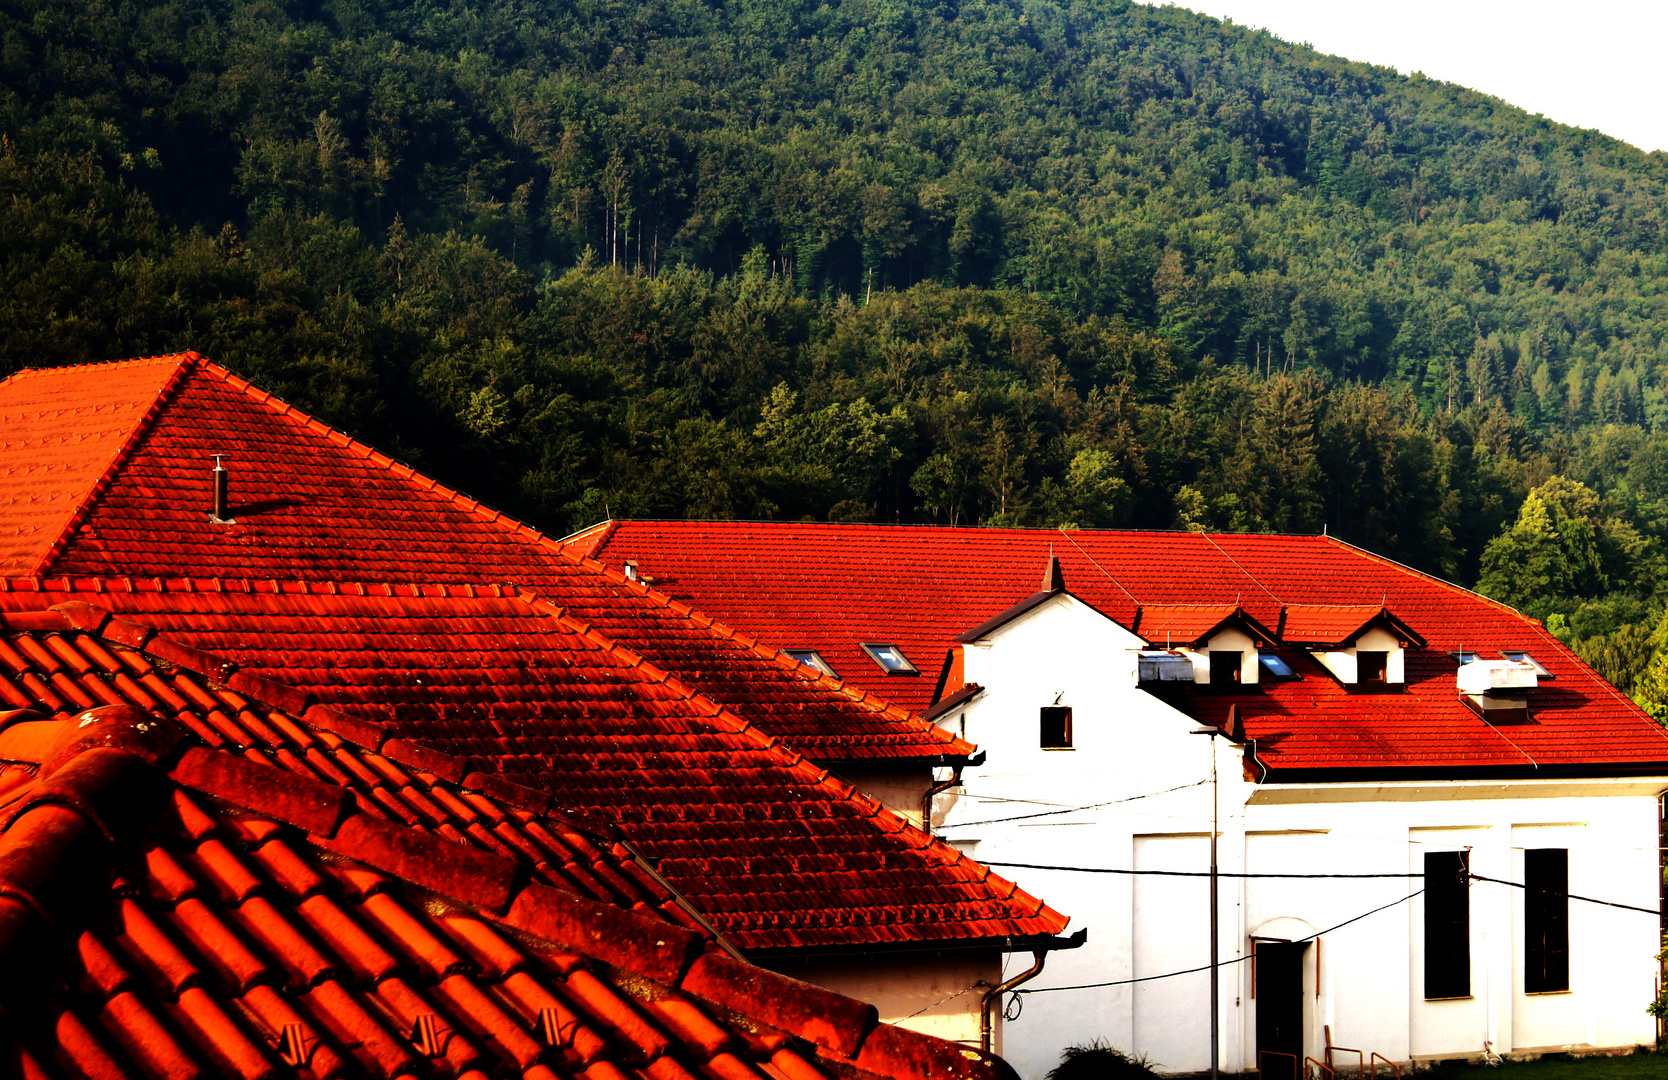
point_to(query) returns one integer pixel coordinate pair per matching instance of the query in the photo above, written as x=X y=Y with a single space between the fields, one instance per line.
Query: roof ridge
x=184 y=363
x=557 y=546
x=1413 y=572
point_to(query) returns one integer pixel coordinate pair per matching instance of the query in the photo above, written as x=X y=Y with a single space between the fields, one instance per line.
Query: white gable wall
x=1366 y=980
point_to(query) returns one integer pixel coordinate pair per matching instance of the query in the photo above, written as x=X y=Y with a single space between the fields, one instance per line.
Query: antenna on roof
x=221 y=511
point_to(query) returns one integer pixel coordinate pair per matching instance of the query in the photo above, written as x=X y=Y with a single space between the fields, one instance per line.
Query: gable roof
x=1338 y=624
x=1191 y=624
x=108 y=469
x=232 y=891
x=941 y=580
x=774 y=850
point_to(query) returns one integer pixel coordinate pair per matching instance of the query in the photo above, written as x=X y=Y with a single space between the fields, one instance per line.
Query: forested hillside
x=1009 y=261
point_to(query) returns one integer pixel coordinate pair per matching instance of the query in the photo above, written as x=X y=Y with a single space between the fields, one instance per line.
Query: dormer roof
x=1315 y=626
x=1188 y=625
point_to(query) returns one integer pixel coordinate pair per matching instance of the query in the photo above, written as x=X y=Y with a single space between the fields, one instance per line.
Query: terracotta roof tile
x=760 y=840
x=312 y=505
x=177 y=928
x=822 y=594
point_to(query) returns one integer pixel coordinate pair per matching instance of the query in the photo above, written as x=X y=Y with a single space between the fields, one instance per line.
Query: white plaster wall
x=900 y=789
x=948 y=986
x=1137 y=754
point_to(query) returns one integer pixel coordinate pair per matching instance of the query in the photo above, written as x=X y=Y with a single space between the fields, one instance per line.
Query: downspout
x=993 y=996
x=939 y=786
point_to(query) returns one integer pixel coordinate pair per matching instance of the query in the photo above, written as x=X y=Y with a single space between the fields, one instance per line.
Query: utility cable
x=1233 y=874
x=1073 y=809
x=1566 y=895
x=1222 y=964
x=1099 y=567
x=1186 y=873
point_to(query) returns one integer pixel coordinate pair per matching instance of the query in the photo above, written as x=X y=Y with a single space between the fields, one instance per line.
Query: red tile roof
x=833 y=586
x=1326 y=624
x=57 y=439
x=105 y=461
x=776 y=852
x=1164 y=625
x=173 y=909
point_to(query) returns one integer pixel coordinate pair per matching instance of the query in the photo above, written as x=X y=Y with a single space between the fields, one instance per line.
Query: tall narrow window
x=1447 y=925
x=1056 y=727
x=1372 y=666
x=1224 y=668
x=1546 y=920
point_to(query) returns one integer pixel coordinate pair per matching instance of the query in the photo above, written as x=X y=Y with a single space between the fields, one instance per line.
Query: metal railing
x=1372 y=1066
x=1281 y=1072
x=1321 y=1071
x=1360 y=1057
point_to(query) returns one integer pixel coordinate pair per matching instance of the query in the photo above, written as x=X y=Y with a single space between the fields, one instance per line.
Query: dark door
x=1280 y=1008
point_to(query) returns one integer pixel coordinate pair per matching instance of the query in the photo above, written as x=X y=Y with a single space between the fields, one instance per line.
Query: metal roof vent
x=220 y=513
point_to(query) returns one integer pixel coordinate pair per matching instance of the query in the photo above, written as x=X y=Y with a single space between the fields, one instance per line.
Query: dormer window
x=1518 y=656
x=890 y=658
x=1275 y=666
x=1219 y=640
x=1364 y=646
x=811 y=659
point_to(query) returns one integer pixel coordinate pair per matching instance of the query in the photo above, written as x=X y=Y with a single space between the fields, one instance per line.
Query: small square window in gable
x=890 y=658
x=1055 y=727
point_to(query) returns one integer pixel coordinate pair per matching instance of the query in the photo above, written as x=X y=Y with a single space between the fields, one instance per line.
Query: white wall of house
x=1364 y=981
x=936 y=994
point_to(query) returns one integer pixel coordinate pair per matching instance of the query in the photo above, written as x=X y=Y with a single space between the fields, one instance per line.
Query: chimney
x=1053 y=579
x=219 y=513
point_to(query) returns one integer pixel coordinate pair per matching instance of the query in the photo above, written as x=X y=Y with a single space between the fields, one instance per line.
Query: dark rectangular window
x=1546 y=920
x=1447 y=925
x=1056 y=727
x=1372 y=666
x=1224 y=668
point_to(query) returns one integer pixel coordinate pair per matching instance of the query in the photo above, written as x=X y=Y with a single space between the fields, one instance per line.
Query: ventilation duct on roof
x=1498 y=690
x=220 y=513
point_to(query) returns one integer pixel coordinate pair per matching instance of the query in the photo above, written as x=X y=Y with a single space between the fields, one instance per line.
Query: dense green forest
x=990 y=261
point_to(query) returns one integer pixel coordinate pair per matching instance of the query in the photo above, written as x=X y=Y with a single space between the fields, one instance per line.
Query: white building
x=1369 y=721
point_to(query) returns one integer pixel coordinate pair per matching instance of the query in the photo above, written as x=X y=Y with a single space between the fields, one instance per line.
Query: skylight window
x=890 y=658
x=1463 y=657
x=1519 y=656
x=1275 y=665
x=811 y=659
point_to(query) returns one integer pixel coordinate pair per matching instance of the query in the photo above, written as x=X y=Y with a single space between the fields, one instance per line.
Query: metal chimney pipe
x=220 y=514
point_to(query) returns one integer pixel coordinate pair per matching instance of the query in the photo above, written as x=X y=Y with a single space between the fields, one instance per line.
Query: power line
x=1567 y=895
x=1074 y=809
x=1186 y=873
x=1223 y=964
x=1231 y=874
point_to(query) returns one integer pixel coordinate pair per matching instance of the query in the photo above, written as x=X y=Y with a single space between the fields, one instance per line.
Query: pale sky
x=1592 y=64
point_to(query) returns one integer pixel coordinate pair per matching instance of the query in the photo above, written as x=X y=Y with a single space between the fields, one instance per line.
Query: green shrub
x=1100 y=1061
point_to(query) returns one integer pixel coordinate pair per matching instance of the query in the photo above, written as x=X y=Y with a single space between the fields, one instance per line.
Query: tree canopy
x=1083 y=264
